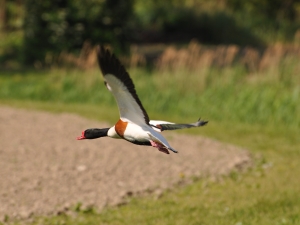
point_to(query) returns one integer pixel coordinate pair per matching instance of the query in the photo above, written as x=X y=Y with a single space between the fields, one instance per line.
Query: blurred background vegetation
x=241 y=55
x=33 y=30
x=232 y=62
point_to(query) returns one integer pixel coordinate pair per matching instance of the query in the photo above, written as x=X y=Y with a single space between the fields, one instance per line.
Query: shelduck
x=134 y=124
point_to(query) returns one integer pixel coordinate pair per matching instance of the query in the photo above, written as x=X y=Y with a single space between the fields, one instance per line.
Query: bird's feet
x=161 y=147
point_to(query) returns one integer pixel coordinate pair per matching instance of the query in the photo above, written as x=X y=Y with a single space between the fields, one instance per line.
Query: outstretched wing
x=165 y=125
x=119 y=83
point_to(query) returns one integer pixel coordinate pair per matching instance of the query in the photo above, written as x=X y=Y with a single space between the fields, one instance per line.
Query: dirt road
x=45 y=170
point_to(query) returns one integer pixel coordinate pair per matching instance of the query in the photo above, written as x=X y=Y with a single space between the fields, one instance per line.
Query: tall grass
x=183 y=84
x=217 y=96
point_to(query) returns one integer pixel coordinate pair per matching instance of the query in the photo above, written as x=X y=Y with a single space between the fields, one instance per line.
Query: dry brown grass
x=195 y=58
x=86 y=59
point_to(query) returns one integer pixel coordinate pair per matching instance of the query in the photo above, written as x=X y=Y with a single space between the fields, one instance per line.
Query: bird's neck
x=112 y=133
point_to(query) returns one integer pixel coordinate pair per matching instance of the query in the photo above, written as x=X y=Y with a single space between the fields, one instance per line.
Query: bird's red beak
x=81 y=137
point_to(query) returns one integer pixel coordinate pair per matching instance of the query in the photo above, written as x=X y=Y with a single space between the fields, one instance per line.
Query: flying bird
x=134 y=124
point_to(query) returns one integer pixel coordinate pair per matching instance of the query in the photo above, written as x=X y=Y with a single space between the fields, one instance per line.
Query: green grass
x=222 y=95
x=261 y=116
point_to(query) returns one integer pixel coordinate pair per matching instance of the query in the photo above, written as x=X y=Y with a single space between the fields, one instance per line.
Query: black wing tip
x=103 y=56
x=101 y=51
x=201 y=122
x=104 y=53
x=109 y=63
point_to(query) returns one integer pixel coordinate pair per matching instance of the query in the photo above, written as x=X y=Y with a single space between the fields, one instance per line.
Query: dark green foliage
x=272 y=9
x=252 y=22
x=211 y=28
x=51 y=27
x=63 y=25
x=274 y=16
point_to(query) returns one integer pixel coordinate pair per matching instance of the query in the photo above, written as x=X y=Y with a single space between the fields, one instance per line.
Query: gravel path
x=45 y=170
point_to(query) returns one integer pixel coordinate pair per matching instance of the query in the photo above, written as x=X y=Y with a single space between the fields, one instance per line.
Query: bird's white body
x=144 y=133
x=112 y=133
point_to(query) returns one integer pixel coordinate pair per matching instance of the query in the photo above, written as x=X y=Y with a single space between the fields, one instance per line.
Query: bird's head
x=93 y=133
